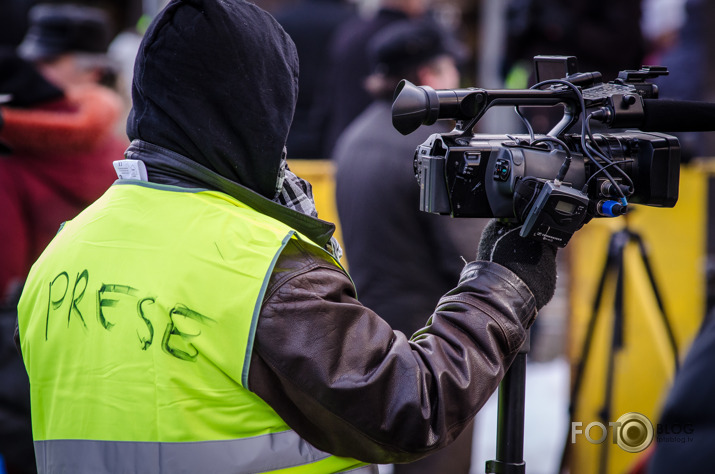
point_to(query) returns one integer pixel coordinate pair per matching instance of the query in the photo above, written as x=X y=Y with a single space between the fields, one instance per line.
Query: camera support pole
x=510 y=418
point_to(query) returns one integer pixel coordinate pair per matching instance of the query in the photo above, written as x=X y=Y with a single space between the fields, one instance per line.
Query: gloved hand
x=532 y=261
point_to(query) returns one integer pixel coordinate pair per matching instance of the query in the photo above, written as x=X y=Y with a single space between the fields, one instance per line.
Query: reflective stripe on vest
x=286 y=451
x=137 y=326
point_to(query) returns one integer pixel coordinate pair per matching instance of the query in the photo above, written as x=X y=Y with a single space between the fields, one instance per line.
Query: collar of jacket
x=168 y=167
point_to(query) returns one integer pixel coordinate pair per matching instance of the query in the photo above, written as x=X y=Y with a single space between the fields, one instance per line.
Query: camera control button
x=502 y=170
x=470 y=164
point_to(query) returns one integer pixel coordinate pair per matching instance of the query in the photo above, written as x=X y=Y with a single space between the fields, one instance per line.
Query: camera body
x=554 y=183
x=478 y=176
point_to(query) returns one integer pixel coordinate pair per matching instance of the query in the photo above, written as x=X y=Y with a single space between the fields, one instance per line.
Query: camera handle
x=510 y=417
x=486 y=99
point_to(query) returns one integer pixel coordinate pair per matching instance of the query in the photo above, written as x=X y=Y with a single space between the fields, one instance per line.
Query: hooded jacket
x=214 y=91
x=217 y=81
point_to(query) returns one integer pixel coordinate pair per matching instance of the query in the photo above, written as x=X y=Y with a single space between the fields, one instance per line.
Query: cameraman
x=196 y=319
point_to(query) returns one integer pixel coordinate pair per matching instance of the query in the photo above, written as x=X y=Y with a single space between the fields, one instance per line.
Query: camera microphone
x=665 y=115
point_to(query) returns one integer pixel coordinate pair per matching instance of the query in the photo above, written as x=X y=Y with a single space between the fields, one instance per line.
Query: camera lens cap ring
x=432 y=112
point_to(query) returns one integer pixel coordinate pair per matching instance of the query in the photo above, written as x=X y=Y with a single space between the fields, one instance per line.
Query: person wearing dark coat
x=685 y=430
x=401 y=259
x=350 y=64
x=311 y=25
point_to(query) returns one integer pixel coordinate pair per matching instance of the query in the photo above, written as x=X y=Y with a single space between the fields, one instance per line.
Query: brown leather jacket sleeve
x=350 y=385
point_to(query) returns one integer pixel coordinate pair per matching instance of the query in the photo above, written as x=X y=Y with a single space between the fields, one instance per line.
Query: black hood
x=217 y=81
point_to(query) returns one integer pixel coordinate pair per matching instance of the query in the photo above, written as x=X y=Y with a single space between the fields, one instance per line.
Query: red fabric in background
x=61 y=161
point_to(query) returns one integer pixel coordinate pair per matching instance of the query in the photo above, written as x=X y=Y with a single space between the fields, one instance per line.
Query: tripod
x=614 y=265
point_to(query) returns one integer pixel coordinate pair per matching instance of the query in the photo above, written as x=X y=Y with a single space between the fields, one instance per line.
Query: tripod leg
x=616 y=346
x=656 y=293
x=615 y=250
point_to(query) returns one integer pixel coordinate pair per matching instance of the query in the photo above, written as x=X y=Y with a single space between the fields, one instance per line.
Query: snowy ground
x=545 y=424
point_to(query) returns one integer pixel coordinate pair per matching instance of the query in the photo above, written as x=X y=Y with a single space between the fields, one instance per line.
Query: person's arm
x=349 y=385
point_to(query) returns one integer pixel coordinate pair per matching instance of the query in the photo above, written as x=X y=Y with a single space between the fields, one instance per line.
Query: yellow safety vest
x=137 y=326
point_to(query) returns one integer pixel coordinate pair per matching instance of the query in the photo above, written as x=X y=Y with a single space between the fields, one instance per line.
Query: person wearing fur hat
x=196 y=317
x=68 y=43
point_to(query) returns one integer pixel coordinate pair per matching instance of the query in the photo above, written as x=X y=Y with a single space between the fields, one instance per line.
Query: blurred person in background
x=311 y=25
x=59 y=143
x=23 y=86
x=401 y=259
x=677 y=39
x=605 y=35
x=350 y=64
x=68 y=43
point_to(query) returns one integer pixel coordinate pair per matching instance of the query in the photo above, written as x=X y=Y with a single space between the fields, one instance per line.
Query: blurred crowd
x=64 y=75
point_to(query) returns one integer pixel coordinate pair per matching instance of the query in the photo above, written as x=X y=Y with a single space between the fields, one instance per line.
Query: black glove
x=533 y=261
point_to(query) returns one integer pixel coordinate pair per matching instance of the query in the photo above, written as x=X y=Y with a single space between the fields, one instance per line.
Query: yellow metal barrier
x=321 y=175
x=644 y=368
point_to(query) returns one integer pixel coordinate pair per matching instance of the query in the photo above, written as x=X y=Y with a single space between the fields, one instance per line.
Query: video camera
x=552 y=184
